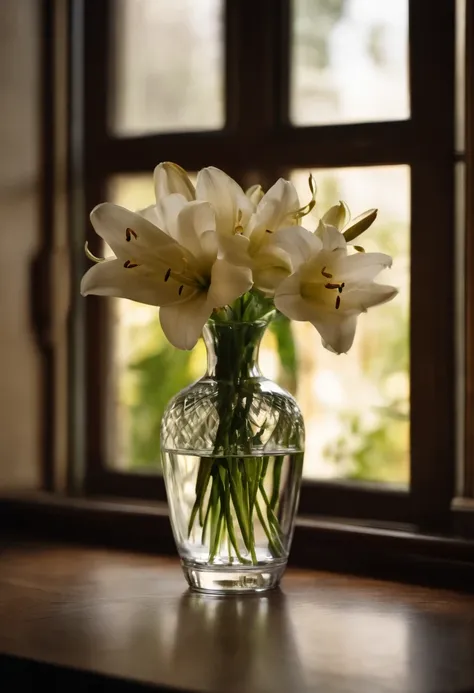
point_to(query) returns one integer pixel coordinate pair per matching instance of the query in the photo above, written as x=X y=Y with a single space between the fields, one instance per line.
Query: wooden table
x=92 y=619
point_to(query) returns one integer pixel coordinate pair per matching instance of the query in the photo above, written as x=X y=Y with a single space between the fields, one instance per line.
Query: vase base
x=232 y=580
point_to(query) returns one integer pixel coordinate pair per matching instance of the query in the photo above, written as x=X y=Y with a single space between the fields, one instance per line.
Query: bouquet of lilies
x=211 y=251
x=201 y=248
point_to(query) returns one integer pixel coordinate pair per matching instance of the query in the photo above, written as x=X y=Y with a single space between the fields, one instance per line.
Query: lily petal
x=298 y=242
x=255 y=193
x=275 y=209
x=193 y=220
x=228 y=282
x=167 y=210
x=337 y=216
x=230 y=203
x=288 y=300
x=182 y=322
x=148 y=244
x=110 y=278
x=363 y=267
x=209 y=249
x=151 y=214
x=337 y=331
x=365 y=296
x=270 y=267
x=235 y=249
x=331 y=238
x=170 y=178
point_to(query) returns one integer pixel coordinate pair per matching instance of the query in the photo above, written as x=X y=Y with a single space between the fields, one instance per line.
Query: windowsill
x=80 y=617
x=355 y=547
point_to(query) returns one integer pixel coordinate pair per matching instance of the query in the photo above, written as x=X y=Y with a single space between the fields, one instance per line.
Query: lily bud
x=360 y=224
x=337 y=216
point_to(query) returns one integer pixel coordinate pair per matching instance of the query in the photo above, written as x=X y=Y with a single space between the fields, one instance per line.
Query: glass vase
x=232 y=448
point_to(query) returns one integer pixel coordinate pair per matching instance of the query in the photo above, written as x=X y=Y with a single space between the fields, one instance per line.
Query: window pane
x=356 y=406
x=167 y=65
x=349 y=61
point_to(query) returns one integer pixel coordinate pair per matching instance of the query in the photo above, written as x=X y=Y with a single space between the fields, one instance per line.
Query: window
x=362 y=96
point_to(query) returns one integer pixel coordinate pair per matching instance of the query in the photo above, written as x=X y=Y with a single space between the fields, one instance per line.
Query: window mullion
x=432 y=243
x=97 y=336
x=251 y=67
x=469 y=254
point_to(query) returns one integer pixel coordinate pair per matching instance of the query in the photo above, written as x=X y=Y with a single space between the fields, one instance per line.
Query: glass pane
x=356 y=406
x=349 y=61
x=167 y=65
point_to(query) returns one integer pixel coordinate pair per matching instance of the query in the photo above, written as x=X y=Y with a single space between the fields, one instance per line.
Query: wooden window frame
x=263 y=140
x=469 y=256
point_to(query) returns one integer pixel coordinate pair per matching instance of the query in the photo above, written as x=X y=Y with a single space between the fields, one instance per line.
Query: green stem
x=217 y=539
x=202 y=481
x=247 y=476
x=276 y=551
x=216 y=518
x=206 y=520
x=236 y=494
x=255 y=479
x=277 y=467
x=244 y=486
x=224 y=486
x=271 y=515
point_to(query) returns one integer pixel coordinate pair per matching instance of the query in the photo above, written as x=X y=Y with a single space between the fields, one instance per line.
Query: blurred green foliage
x=158 y=373
x=286 y=349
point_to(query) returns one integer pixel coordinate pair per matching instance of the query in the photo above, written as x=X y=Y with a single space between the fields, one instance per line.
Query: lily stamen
x=326 y=274
x=238 y=226
x=129 y=233
x=91 y=256
x=128 y=264
x=339 y=286
x=303 y=211
x=180 y=290
x=191 y=279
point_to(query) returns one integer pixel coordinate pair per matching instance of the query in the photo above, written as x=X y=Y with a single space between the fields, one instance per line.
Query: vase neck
x=232 y=349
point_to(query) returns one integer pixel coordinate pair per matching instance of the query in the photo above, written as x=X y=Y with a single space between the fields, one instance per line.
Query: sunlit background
x=356 y=406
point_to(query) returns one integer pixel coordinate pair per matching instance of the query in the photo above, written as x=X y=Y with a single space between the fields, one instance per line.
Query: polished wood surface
x=130 y=617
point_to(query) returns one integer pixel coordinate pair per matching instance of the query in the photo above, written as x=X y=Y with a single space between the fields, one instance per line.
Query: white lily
x=233 y=208
x=248 y=239
x=177 y=268
x=329 y=287
x=245 y=221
